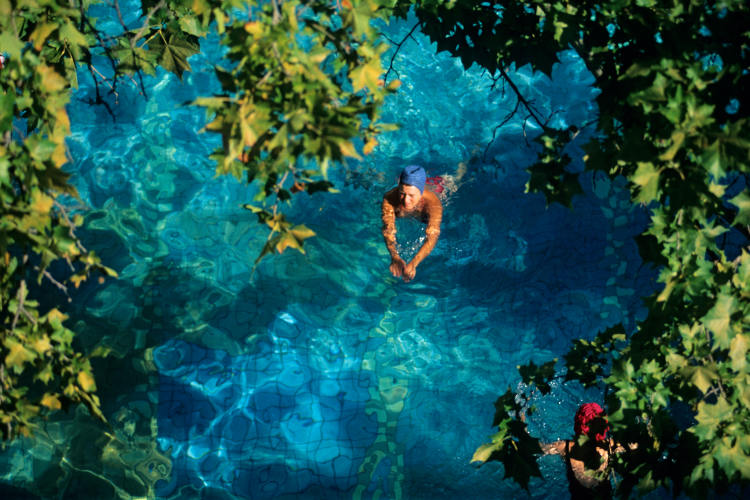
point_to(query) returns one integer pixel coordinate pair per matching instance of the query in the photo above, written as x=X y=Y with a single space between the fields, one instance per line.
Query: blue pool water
x=320 y=375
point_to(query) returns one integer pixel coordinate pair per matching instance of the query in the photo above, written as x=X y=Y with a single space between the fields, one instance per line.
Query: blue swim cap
x=413 y=175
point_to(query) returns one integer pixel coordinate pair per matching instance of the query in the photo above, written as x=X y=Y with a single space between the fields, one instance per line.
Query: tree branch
x=507 y=118
x=398 y=48
x=55 y=282
x=19 y=297
x=520 y=96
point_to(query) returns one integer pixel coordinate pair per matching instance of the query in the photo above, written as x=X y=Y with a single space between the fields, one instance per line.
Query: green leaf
x=738 y=351
x=51 y=80
x=17 y=356
x=190 y=24
x=302 y=232
x=646 y=177
x=742 y=279
x=483 y=453
x=709 y=418
x=732 y=459
x=51 y=401
x=714 y=161
x=10 y=44
x=742 y=202
x=717 y=320
x=173 y=50
x=700 y=376
x=74 y=38
x=678 y=138
x=86 y=381
x=40 y=34
x=7 y=101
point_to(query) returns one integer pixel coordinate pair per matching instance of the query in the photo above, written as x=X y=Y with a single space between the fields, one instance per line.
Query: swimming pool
x=320 y=375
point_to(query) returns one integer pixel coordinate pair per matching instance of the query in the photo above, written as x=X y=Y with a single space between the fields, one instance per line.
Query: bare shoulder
x=556 y=448
x=431 y=201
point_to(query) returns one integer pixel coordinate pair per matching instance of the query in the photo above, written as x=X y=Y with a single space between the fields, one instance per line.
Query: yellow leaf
x=40 y=202
x=249 y=137
x=738 y=352
x=366 y=75
x=289 y=10
x=51 y=402
x=40 y=34
x=17 y=355
x=288 y=240
x=347 y=149
x=55 y=317
x=255 y=28
x=77 y=279
x=302 y=232
x=678 y=138
x=109 y=271
x=664 y=295
x=369 y=146
x=42 y=345
x=483 y=452
x=52 y=81
x=59 y=157
x=62 y=128
x=86 y=381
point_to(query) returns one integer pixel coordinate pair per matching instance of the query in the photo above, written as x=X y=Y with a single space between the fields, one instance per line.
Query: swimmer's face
x=409 y=195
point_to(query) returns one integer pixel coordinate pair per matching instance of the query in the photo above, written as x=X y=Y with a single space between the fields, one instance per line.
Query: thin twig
x=71 y=225
x=395 y=53
x=520 y=96
x=116 y=5
x=105 y=80
x=507 y=118
x=19 y=296
x=55 y=282
x=99 y=99
x=138 y=35
x=104 y=45
x=276 y=12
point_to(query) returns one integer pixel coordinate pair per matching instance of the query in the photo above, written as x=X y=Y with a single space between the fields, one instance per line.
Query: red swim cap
x=583 y=420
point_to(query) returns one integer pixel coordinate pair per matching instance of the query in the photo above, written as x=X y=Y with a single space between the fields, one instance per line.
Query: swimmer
x=588 y=463
x=409 y=199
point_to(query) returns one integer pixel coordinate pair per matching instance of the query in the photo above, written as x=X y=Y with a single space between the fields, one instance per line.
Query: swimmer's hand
x=397 y=266
x=410 y=270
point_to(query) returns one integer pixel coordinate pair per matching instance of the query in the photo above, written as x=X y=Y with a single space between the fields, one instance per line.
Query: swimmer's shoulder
x=432 y=201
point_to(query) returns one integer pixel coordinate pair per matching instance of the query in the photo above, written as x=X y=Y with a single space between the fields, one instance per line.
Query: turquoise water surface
x=320 y=375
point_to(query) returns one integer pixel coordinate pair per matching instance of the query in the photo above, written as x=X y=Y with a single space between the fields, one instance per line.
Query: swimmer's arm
x=432 y=233
x=389 y=227
x=556 y=448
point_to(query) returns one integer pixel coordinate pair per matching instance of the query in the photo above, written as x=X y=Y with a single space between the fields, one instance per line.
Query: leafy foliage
x=303 y=83
x=512 y=444
x=301 y=91
x=40 y=370
x=674 y=122
x=303 y=87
